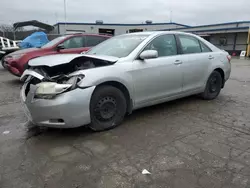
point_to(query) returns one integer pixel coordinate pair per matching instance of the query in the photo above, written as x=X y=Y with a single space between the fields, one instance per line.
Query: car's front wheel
x=213 y=86
x=107 y=108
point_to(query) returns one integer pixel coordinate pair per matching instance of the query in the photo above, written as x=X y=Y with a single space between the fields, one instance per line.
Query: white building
x=233 y=36
x=113 y=29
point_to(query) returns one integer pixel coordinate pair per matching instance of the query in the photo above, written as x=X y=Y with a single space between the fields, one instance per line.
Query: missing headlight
x=75 y=80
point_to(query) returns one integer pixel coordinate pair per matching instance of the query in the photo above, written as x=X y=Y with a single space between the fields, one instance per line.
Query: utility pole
x=56 y=17
x=170 y=16
x=14 y=32
x=65 y=15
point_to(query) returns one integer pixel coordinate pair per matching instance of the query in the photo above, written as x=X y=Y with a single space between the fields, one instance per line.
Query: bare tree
x=9 y=31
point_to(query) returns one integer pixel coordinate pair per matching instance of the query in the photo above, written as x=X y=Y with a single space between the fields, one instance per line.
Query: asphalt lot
x=187 y=143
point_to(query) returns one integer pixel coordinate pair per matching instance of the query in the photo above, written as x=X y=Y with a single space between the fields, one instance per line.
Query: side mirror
x=149 y=54
x=60 y=47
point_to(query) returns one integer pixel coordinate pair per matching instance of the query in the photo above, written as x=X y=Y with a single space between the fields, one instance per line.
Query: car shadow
x=163 y=106
x=14 y=82
x=33 y=131
x=2 y=70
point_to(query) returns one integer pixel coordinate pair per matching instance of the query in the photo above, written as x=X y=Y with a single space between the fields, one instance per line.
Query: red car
x=76 y=43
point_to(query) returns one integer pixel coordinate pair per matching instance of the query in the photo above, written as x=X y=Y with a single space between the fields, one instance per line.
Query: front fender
x=95 y=78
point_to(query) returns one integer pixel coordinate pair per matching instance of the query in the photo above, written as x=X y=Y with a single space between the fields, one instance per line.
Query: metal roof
x=219 y=24
x=120 y=24
x=168 y=23
x=34 y=23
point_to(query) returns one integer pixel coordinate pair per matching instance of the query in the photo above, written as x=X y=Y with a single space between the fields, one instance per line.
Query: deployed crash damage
x=53 y=94
x=61 y=75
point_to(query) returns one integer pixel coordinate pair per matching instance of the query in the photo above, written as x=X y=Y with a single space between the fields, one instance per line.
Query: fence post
x=248 y=43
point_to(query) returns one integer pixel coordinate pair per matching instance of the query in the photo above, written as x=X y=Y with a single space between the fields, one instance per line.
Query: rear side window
x=204 y=47
x=189 y=44
x=94 y=40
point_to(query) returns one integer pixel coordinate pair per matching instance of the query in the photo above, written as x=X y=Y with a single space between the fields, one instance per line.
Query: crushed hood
x=54 y=60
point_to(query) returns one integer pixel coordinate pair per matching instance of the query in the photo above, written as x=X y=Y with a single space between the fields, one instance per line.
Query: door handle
x=210 y=57
x=178 y=62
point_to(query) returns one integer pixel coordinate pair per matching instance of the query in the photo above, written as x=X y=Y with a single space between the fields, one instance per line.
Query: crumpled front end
x=56 y=105
x=53 y=96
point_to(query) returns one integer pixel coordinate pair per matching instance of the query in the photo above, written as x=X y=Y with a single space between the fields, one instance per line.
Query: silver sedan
x=120 y=75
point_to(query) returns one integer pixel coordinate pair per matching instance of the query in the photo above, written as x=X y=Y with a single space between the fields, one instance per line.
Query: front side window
x=74 y=42
x=165 y=45
x=94 y=40
x=120 y=46
x=53 y=42
x=189 y=44
x=204 y=48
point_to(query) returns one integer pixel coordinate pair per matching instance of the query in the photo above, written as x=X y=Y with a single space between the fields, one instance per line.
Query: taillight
x=229 y=58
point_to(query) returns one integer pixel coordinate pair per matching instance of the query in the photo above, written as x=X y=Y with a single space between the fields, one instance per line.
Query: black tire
x=107 y=108
x=213 y=86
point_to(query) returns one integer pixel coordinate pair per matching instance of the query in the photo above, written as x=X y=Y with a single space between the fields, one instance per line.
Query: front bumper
x=13 y=70
x=66 y=110
x=13 y=67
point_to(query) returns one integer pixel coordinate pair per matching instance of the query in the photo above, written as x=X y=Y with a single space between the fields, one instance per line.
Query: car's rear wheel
x=107 y=108
x=213 y=86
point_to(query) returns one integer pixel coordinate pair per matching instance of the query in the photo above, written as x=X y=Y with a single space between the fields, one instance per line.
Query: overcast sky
x=190 y=12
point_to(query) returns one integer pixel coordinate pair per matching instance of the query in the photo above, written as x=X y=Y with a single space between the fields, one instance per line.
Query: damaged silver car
x=122 y=74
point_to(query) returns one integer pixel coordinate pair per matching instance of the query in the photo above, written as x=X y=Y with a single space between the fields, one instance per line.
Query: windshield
x=120 y=46
x=53 y=42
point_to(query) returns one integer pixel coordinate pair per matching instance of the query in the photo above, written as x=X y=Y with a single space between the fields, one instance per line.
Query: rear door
x=196 y=58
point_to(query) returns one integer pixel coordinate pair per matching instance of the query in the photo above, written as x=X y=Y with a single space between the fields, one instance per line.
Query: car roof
x=155 y=33
x=86 y=34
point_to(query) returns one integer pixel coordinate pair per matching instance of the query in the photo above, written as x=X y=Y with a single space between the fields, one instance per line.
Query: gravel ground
x=187 y=143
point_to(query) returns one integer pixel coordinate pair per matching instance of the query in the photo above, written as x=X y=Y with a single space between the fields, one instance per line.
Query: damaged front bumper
x=65 y=110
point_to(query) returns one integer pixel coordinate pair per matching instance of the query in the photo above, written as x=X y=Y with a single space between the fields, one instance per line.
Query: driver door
x=157 y=79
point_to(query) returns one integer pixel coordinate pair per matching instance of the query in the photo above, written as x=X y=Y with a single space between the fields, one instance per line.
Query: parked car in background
x=16 y=62
x=120 y=75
